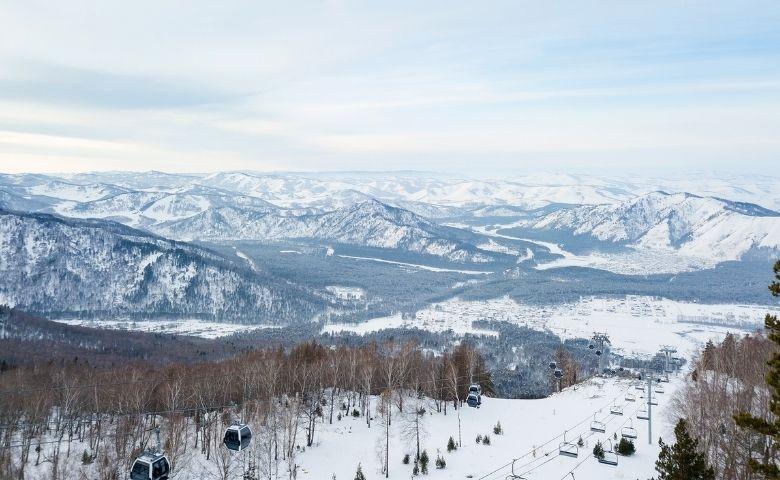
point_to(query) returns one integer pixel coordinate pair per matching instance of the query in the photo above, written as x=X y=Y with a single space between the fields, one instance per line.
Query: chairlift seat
x=597 y=426
x=616 y=410
x=630 y=397
x=568 y=449
x=659 y=389
x=628 y=432
x=610 y=458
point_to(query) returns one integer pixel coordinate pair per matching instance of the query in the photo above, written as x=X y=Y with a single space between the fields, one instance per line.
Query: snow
x=346 y=293
x=638 y=326
x=192 y=327
x=533 y=430
x=418 y=266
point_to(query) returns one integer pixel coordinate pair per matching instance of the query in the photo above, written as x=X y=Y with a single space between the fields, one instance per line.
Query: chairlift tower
x=668 y=353
x=599 y=339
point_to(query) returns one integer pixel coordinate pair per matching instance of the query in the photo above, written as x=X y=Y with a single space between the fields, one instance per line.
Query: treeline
x=726 y=379
x=113 y=412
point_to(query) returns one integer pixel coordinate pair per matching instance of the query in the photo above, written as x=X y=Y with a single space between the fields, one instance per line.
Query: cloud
x=336 y=85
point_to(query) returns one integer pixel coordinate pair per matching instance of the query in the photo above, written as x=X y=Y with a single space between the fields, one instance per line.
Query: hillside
x=104 y=268
x=687 y=224
x=370 y=223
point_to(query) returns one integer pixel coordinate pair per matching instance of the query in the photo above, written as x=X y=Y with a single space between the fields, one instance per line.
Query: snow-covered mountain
x=704 y=227
x=56 y=266
x=371 y=223
x=144 y=208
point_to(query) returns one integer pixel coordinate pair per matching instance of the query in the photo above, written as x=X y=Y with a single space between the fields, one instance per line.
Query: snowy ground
x=636 y=325
x=194 y=328
x=416 y=266
x=533 y=430
x=633 y=261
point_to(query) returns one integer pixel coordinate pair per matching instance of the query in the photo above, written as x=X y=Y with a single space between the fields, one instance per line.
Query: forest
x=112 y=413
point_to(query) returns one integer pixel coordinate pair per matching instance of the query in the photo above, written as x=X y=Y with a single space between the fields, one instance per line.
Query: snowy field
x=533 y=430
x=636 y=325
x=633 y=261
x=416 y=266
x=193 y=328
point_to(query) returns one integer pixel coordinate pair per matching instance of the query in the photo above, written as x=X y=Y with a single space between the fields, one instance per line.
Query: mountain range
x=683 y=222
x=130 y=244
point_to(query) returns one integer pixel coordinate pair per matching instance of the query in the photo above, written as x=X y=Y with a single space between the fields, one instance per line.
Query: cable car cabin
x=150 y=466
x=237 y=437
x=476 y=389
x=568 y=449
x=630 y=397
x=616 y=410
x=473 y=400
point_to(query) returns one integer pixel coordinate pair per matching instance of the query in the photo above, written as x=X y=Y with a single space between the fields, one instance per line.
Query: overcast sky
x=475 y=87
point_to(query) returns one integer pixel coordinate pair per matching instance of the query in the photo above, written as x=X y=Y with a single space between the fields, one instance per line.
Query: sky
x=473 y=87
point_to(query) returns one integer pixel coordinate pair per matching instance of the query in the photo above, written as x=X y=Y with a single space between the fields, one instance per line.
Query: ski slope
x=533 y=430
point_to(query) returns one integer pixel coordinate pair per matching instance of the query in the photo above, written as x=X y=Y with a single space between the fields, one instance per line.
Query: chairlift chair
x=642 y=414
x=597 y=426
x=616 y=410
x=629 y=431
x=659 y=389
x=150 y=466
x=568 y=449
x=653 y=401
x=630 y=397
x=639 y=386
x=237 y=437
x=513 y=475
x=609 y=457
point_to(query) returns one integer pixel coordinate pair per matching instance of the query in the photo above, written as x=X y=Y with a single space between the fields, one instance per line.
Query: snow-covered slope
x=104 y=268
x=144 y=208
x=703 y=227
x=370 y=223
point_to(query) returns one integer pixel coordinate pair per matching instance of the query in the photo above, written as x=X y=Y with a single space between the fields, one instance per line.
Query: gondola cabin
x=237 y=437
x=150 y=466
x=473 y=400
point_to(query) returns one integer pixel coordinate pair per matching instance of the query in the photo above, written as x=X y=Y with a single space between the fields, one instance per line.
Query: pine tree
x=767 y=466
x=598 y=451
x=359 y=474
x=682 y=461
